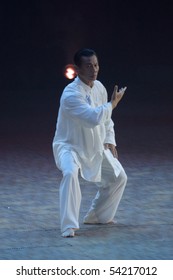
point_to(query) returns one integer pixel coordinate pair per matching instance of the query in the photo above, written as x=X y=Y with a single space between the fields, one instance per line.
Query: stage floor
x=29 y=195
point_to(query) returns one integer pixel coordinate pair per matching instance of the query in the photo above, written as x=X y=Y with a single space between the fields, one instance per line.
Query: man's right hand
x=116 y=96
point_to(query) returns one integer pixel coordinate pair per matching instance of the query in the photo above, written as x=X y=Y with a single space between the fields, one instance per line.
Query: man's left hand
x=112 y=148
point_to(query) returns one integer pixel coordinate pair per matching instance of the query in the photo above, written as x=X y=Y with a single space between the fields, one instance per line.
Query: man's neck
x=88 y=83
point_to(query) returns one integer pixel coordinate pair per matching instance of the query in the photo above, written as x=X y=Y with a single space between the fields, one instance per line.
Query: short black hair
x=83 y=52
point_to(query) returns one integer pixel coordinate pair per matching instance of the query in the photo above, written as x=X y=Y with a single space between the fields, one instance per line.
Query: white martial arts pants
x=105 y=203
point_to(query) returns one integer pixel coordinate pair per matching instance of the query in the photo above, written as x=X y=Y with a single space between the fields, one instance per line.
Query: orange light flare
x=69 y=72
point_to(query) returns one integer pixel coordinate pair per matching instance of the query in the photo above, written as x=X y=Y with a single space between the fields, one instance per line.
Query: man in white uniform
x=84 y=142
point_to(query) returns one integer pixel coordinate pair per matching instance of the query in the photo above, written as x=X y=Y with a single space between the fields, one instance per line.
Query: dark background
x=134 y=43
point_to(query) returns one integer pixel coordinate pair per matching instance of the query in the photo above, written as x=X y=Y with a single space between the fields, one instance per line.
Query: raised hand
x=117 y=95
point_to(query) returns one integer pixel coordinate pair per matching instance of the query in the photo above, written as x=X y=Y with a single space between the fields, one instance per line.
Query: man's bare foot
x=112 y=222
x=68 y=233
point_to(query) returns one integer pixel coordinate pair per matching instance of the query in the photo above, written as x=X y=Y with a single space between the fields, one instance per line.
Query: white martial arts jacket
x=84 y=124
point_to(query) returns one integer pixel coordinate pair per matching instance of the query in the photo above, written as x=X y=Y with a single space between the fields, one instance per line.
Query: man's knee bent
x=70 y=172
x=123 y=177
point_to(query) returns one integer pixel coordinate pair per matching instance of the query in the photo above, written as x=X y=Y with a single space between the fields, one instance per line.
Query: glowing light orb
x=69 y=72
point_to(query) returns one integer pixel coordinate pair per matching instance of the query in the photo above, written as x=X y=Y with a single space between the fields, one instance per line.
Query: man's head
x=87 y=67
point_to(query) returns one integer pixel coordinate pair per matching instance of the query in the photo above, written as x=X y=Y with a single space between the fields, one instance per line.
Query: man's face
x=88 y=70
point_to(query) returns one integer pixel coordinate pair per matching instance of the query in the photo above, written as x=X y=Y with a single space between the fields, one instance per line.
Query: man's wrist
x=113 y=105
